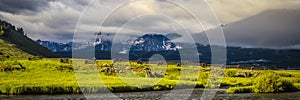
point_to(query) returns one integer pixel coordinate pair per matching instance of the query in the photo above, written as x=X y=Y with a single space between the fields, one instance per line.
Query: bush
x=288 y=86
x=107 y=69
x=246 y=89
x=270 y=82
x=35 y=58
x=67 y=67
x=230 y=73
x=285 y=75
x=247 y=74
x=297 y=86
x=203 y=78
x=11 y=66
x=172 y=73
x=66 y=60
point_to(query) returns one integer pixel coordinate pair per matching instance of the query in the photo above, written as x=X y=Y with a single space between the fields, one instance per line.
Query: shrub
x=10 y=66
x=270 y=82
x=203 y=77
x=288 y=86
x=62 y=67
x=35 y=58
x=2 y=58
x=172 y=73
x=247 y=74
x=89 y=62
x=285 y=75
x=109 y=71
x=230 y=73
x=65 y=60
x=297 y=86
x=246 y=89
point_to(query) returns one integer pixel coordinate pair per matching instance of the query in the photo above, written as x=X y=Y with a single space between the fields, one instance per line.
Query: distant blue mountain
x=146 y=46
x=148 y=42
x=55 y=47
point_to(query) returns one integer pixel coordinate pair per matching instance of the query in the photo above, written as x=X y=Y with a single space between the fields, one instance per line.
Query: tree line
x=7 y=28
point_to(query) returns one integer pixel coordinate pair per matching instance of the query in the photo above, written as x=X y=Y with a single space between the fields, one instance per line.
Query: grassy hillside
x=9 y=50
x=15 y=43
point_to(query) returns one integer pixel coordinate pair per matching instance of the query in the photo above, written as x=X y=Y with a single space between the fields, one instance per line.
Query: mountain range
x=270 y=37
x=146 y=46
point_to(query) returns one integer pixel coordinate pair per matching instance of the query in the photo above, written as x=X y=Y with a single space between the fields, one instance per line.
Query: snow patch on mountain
x=153 y=42
x=251 y=61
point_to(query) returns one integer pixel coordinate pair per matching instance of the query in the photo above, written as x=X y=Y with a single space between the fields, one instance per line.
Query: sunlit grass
x=52 y=76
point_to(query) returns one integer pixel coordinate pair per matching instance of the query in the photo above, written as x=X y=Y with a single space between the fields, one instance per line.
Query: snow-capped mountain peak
x=153 y=42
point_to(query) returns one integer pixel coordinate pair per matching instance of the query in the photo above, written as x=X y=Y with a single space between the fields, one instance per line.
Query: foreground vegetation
x=268 y=81
x=59 y=76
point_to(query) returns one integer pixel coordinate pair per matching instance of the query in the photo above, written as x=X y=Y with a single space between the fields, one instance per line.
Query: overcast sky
x=55 y=20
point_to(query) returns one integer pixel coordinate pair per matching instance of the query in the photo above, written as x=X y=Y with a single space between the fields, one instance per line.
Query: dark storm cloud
x=23 y=6
x=82 y=2
x=56 y=20
x=277 y=29
x=270 y=29
x=44 y=19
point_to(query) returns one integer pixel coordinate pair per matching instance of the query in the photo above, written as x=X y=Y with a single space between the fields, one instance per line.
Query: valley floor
x=63 y=76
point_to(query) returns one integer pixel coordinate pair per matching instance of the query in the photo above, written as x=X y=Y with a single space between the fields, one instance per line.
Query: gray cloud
x=23 y=6
x=56 y=19
x=277 y=29
x=233 y=10
x=274 y=28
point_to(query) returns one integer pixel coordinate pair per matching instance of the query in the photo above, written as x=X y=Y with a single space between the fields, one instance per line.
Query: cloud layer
x=233 y=10
x=23 y=6
x=55 y=20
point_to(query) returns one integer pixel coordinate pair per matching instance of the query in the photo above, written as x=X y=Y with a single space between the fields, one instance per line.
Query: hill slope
x=15 y=43
x=8 y=50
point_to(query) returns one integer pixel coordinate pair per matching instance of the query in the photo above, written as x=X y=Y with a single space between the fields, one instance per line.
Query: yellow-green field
x=60 y=76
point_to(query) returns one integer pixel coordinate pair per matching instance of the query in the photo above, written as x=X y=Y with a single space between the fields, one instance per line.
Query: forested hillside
x=15 y=44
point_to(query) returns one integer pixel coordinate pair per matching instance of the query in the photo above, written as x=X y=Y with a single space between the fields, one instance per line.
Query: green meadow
x=61 y=76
